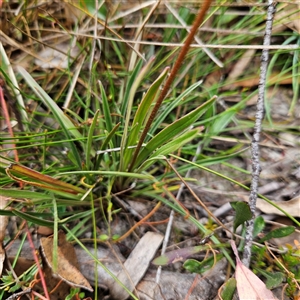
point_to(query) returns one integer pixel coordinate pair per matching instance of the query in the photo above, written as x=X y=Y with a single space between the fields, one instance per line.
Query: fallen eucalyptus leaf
x=67 y=265
x=249 y=286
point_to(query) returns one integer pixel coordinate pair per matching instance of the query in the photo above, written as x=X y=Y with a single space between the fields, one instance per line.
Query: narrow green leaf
x=34 y=214
x=65 y=123
x=175 y=144
x=88 y=148
x=278 y=233
x=222 y=121
x=142 y=114
x=55 y=235
x=4 y=212
x=171 y=131
x=295 y=79
x=111 y=173
x=32 y=219
x=131 y=86
x=10 y=77
x=106 y=109
x=78 y=216
x=171 y=106
x=170 y=147
x=105 y=145
x=129 y=98
x=20 y=194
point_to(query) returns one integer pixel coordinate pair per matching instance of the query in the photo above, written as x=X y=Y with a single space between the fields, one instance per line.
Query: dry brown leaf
x=67 y=265
x=291 y=207
x=249 y=286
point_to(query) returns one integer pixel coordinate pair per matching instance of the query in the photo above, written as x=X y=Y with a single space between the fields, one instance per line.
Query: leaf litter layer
x=79 y=91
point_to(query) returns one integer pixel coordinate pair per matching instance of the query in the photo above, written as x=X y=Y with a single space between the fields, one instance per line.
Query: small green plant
x=75 y=292
x=283 y=268
x=10 y=284
x=126 y=124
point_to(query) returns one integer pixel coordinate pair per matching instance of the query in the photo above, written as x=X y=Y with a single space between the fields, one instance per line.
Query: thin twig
x=256 y=169
x=156 y=43
x=151 y=26
x=18 y=295
x=44 y=285
x=197 y=39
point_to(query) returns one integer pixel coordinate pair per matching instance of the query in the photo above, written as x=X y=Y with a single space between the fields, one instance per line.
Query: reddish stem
x=37 y=262
x=6 y=116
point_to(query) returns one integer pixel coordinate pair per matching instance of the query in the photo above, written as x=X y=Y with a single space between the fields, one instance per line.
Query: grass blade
x=142 y=115
x=89 y=150
x=65 y=123
x=171 y=131
x=170 y=147
x=134 y=82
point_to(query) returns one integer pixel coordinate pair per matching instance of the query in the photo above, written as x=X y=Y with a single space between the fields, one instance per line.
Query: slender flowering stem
x=256 y=169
